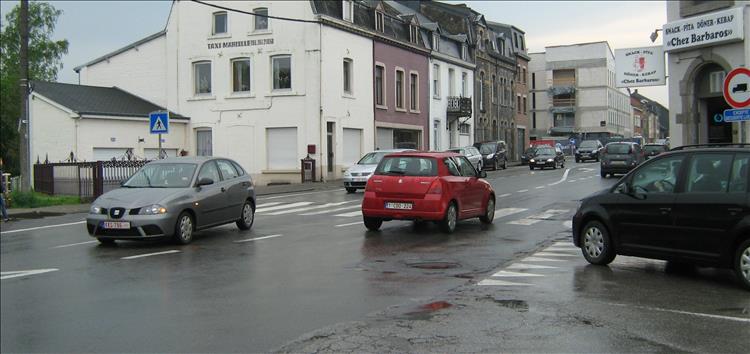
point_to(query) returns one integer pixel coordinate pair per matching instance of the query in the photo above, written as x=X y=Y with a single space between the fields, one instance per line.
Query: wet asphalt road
x=234 y=291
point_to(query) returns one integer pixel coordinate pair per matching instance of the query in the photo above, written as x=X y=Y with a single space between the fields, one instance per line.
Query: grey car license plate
x=618 y=163
x=116 y=224
x=401 y=206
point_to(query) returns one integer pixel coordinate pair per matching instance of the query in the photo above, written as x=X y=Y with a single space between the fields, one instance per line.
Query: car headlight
x=532 y=160
x=490 y=156
x=153 y=210
x=95 y=209
x=550 y=160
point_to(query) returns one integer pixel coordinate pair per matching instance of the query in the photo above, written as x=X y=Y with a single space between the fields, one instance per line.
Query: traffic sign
x=736 y=115
x=737 y=88
x=159 y=122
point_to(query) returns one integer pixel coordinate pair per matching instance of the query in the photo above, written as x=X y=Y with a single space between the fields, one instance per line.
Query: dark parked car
x=589 y=150
x=651 y=150
x=620 y=157
x=493 y=154
x=547 y=157
x=689 y=205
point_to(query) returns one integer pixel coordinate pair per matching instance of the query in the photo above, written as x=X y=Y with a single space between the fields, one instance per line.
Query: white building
x=704 y=41
x=257 y=89
x=573 y=91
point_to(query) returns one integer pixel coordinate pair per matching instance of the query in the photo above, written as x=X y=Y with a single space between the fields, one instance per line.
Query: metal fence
x=86 y=180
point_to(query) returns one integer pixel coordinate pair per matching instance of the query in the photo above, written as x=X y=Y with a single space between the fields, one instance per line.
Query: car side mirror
x=204 y=182
x=482 y=174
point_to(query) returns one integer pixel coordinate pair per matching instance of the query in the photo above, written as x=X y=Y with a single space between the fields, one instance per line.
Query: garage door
x=106 y=154
x=352 y=146
x=281 y=147
x=384 y=139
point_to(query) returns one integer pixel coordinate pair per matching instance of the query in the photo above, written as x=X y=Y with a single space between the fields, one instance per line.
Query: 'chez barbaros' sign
x=636 y=67
x=710 y=29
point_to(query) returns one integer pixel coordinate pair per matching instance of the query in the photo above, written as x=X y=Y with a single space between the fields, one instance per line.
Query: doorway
x=710 y=101
x=719 y=131
x=330 y=148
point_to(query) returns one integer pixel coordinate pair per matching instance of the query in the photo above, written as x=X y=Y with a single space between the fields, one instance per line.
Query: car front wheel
x=248 y=216
x=596 y=244
x=448 y=224
x=373 y=224
x=489 y=212
x=183 y=229
x=742 y=264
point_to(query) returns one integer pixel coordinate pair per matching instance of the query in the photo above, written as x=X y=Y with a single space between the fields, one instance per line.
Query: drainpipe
x=323 y=132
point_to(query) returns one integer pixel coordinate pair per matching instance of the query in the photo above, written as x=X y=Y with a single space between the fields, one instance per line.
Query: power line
x=254 y=14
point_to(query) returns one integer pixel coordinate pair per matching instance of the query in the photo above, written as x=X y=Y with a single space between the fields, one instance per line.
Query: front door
x=473 y=194
x=210 y=198
x=234 y=191
x=330 y=148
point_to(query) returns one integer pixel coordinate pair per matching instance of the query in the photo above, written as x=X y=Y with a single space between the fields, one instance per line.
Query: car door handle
x=665 y=211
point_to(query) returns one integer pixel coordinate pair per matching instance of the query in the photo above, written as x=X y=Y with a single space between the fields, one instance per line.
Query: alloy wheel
x=593 y=242
x=452 y=217
x=745 y=263
x=247 y=214
x=186 y=228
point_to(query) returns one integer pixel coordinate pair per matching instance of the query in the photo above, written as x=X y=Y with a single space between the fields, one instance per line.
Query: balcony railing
x=459 y=105
x=564 y=82
x=563 y=102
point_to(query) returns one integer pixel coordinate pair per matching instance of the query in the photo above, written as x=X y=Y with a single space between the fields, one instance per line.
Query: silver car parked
x=357 y=175
x=472 y=154
x=174 y=197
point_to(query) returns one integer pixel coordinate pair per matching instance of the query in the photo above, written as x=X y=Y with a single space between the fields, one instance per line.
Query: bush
x=35 y=199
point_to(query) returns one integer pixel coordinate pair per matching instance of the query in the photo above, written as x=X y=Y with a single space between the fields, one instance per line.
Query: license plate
x=585 y=154
x=402 y=206
x=116 y=225
x=618 y=162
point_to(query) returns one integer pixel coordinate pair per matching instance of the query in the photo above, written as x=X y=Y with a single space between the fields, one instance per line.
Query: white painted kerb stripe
x=44 y=227
x=150 y=254
x=257 y=238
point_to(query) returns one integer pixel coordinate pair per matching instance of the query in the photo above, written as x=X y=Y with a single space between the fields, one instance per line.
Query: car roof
x=431 y=154
x=392 y=150
x=654 y=144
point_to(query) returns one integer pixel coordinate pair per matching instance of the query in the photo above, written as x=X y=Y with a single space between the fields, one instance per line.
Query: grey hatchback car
x=174 y=197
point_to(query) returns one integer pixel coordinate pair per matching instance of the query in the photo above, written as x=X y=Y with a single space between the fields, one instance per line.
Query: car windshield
x=372 y=158
x=588 y=144
x=530 y=151
x=654 y=148
x=162 y=175
x=545 y=151
x=407 y=166
x=618 y=149
x=487 y=148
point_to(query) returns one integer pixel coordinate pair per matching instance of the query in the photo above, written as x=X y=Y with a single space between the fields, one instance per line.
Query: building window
x=523 y=47
x=464 y=51
x=436 y=80
x=413 y=34
x=261 y=19
x=515 y=40
x=435 y=41
x=348 y=76
x=414 y=92
x=502 y=47
x=493 y=89
x=220 y=23
x=203 y=143
x=524 y=105
x=347 y=8
x=533 y=120
x=400 y=89
x=282 y=72
x=464 y=128
x=241 y=75
x=379 y=22
x=481 y=91
x=451 y=82
x=518 y=106
x=523 y=71
x=202 y=76
x=533 y=81
x=379 y=85
x=464 y=89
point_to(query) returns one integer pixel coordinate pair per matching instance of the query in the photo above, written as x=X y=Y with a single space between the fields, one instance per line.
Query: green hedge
x=34 y=199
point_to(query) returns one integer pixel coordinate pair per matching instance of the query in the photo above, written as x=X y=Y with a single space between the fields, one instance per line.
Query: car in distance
x=528 y=155
x=427 y=186
x=173 y=198
x=547 y=157
x=651 y=150
x=620 y=157
x=356 y=176
x=688 y=205
x=589 y=150
x=493 y=154
x=471 y=153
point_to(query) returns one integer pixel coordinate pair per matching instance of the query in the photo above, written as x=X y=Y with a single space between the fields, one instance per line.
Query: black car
x=528 y=155
x=620 y=157
x=493 y=154
x=689 y=205
x=547 y=157
x=589 y=150
x=651 y=150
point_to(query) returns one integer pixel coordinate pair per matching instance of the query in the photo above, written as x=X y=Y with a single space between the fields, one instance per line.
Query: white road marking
x=505 y=273
x=350 y=224
x=501 y=282
x=698 y=314
x=75 y=244
x=568 y=224
x=564 y=177
x=540 y=259
x=23 y=273
x=285 y=206
x=257 y=238
x=150 y=254
x=524 y=222
x=533 y=219
x=43 y=227
x=520 y=266
x=572 y=180
x=299 y=194
x=500 y=213
x=327 y=205
x=572 y=250
x=523 y=191
x=570 y=244
x=332 y=210
x=540 y=187
x=552 y=254
x=504 y=195
x=352 y=214
x=265 y=205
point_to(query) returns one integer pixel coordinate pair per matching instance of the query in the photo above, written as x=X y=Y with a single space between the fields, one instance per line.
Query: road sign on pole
x=159 y=122
x=737 y=88
x=737 y=115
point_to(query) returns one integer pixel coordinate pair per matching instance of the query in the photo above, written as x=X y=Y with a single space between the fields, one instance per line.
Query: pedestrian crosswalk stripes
x=530 y=266
x=348 y=215
x=332 y=210
x=501 y=282
x=499 y=213
x=279 y=207
x=308 y=208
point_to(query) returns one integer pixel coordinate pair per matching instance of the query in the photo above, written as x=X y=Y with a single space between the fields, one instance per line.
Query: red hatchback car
x=427 y=186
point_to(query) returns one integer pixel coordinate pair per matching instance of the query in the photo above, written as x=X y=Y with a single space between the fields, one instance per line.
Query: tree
x=45 y=59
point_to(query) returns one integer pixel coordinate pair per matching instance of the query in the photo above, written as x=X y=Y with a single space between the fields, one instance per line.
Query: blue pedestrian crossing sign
x=159 y=122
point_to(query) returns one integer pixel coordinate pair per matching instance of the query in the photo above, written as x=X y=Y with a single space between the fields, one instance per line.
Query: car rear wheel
x=596 y=244
x=248 y=216
x=183 y=229
x=106 y=241
x=742 y=264
x=351 y=190
x=489 y=212
x=448 y=224
x=373 y=224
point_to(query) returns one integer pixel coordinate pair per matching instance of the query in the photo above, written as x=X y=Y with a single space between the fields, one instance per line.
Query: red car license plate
x=401 y=206
x=116 y=225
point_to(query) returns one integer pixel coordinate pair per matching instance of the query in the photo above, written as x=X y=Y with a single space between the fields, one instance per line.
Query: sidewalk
x=56 y=210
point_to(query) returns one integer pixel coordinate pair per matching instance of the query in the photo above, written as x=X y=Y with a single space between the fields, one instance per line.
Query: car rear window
x=545 y=151
x=407 y=166
x=653 y=148
x=372 y=158
x=588 y=144
x=618 y=149
x=487 y=148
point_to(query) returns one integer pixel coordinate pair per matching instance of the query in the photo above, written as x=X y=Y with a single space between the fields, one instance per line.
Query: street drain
x=434 y=265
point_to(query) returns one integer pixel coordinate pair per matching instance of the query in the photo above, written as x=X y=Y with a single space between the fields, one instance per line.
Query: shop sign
x=699 y=31
x=636 y=67
x=236 y=44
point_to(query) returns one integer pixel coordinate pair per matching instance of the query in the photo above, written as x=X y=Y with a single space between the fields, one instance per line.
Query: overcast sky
x=95 y=28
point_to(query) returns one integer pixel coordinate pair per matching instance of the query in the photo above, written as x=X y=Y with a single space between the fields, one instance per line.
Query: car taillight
x=436 y=187
x=368 y=186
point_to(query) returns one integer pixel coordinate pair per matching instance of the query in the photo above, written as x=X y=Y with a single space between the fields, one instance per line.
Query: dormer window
x=464 y=51
x=347 y=8
x=413 y=34
x=435 y=41
x=379 y=22
x=219 y=23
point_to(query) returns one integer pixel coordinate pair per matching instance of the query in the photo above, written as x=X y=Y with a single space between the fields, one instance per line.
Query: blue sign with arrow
x=159 y=122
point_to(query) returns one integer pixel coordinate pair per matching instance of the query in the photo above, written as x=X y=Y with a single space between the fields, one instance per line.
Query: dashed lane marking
x=43 y=227
x=504 y=195
x=501 y=282
x=523 y=191
x=23 y=273
x=257 y=238
x=75 y=244
x=150 y=254
x=350 y=224
x=540 y=187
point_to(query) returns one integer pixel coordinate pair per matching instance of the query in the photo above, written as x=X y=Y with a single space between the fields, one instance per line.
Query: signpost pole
x=160 y=157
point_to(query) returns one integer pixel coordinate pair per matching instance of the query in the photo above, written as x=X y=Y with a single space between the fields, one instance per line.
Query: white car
x=472 y=154
x=356 y=176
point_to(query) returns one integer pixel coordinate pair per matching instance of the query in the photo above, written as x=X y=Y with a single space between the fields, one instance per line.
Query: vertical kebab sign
x=636 y=67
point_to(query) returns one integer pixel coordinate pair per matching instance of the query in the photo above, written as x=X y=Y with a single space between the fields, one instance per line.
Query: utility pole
x=23 y=27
